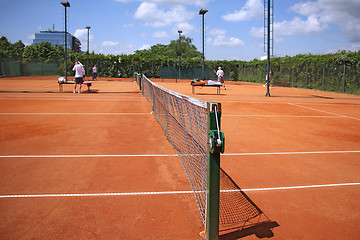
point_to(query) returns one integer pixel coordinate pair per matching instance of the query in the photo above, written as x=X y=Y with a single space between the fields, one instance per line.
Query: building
x=58 y=38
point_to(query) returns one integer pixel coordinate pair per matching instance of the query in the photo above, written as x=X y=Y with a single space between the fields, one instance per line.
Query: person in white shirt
x=270 y=74
x=94 y=70
x=79 y=71
x=220 y=74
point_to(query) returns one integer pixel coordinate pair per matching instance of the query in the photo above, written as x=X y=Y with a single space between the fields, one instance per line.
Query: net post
x=142 y=84
x=213 y=173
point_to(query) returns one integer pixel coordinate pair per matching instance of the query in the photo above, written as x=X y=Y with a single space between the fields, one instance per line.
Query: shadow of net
x=237 y=211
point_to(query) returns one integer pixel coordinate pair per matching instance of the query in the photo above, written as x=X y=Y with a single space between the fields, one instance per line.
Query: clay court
x=97 y=165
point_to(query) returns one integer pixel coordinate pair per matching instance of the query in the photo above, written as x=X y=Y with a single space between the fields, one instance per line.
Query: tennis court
x=98 y=166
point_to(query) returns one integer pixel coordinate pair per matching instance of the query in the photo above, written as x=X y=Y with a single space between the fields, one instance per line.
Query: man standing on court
x=78 y=69
x=220 y=74
x=94 y=70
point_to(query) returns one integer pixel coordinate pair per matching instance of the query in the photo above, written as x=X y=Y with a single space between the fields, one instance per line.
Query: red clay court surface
x=98 y=166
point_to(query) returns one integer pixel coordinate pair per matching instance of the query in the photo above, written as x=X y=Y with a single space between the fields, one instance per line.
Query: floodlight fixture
x=203 y=11
x=65 y=3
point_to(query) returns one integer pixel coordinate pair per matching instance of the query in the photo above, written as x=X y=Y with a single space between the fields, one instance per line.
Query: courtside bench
x=88 y=84
x=216 y=86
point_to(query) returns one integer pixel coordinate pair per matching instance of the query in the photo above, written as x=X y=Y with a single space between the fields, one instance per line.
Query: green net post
x=215 y=147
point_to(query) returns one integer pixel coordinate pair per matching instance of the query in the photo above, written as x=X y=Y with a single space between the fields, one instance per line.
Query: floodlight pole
x=65 y=4
x=268 y=51
x=180 y=53
x=202 y=12
x=87 y=62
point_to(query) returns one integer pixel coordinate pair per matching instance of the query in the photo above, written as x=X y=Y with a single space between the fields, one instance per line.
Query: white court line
x=72 y=113
x=88 y=156
x=171 y=192
x=323 y=111
x=72 y=99
x=168 y=155
x=288 y=153
x=282 y=116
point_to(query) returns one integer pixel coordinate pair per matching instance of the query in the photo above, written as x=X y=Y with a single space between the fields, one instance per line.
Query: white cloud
x=116 y=48
x=298 y=25
x=171 y=2
x=217 y=31
x=344 y=14
x=161 y=34
x=253 y=9
x=187 y=28
x=222 y=40
x=81 y=34
x=305 y=8
x=145 y=46
x=30 y=36
x=354 y=47
x=158 y=17
x=317 y=16
x=289 y=28
x=128 y=25
x=110 y=44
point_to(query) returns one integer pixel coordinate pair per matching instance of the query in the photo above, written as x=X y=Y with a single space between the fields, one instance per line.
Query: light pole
x=66 y=4
x=180 y=32
x=268 y=51
x=202 y=12
x=87 y=62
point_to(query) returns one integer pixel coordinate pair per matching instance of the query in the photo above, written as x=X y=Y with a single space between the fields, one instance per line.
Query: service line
x=175 y=192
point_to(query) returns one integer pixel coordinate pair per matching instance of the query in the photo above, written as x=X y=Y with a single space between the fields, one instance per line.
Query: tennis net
x=184 y=121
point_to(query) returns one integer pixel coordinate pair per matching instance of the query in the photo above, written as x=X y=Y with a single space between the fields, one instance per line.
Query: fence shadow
x=239 y=215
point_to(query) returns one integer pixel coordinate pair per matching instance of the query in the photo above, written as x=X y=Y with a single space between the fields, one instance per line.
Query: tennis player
x=270 y=74
x=220 y=74
x=94 y=70
x=79 y=71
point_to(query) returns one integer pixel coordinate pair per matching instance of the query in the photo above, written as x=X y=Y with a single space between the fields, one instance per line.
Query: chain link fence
x=320 y=76
x=311 y=75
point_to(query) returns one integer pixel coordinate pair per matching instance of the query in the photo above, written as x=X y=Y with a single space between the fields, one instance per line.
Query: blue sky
x=234 y=28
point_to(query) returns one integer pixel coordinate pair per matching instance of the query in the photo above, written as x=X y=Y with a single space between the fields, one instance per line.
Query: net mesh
x=184 y=122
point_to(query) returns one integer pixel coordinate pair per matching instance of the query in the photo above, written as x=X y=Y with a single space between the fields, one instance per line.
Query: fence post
x=307 y=66
x=344 y=78
x=323 y=78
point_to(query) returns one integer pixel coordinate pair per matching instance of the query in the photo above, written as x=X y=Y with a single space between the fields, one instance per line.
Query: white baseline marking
x=171 y=192
x=323 y=111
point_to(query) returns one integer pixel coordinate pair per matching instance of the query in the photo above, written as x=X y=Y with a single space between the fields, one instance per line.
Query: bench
x=88 y=84
x=217 y=86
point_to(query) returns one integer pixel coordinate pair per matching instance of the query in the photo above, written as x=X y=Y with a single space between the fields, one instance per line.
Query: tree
x=17 y=49
x=188 y=49
x=30 y=53
x=169 y=52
